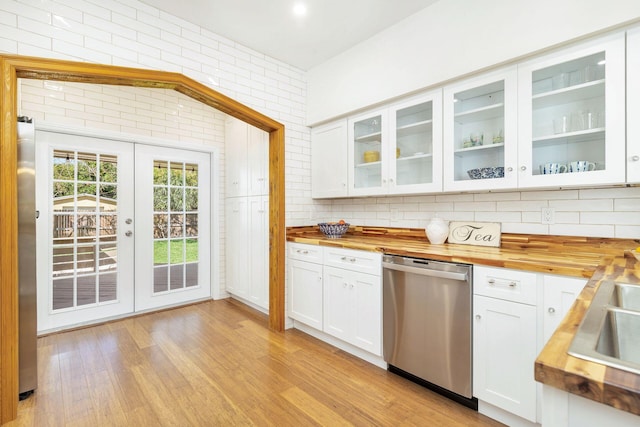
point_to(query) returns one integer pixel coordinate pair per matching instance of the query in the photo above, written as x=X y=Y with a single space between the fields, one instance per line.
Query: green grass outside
x=160 y=251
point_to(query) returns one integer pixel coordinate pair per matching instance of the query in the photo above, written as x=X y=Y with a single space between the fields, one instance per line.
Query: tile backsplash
x=602 y=212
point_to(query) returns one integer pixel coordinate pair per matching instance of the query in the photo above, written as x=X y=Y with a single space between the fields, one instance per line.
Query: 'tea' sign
x=475 y=233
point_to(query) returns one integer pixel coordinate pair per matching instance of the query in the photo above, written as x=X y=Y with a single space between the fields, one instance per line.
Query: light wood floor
x=217 y=364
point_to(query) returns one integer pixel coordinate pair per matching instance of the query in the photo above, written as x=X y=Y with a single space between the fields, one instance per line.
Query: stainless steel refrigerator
x=27 y=214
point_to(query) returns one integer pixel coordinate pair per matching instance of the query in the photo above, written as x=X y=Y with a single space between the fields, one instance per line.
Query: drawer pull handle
x=512 y=284
x=491 y=282
x=303 y=252
x=551 y=310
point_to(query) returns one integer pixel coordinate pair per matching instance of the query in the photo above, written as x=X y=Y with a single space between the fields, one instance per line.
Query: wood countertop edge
x=553 y=366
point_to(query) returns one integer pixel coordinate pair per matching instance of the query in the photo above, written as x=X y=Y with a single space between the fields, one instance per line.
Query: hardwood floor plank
x=218 y=364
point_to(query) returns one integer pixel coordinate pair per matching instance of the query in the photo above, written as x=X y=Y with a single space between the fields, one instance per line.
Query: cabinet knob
x=319 y=278
x=478 y=317
x=523 y=168
x=635 y=158
x=344 y=258
x=344 y=284
x=344 y=184
x=391 y=180
x=491 y=282
x=351 y=286
x=551 y=310
x=512 y=284
x=352 y=260
x=509 y=169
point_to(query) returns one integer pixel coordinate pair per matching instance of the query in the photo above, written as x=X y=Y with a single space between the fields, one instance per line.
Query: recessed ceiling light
x=299 y=9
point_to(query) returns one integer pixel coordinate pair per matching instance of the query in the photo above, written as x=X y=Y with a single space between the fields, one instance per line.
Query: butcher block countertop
x=597 y=259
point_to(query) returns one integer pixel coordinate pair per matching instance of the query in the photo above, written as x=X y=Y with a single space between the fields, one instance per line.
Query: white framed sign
x=475 y=233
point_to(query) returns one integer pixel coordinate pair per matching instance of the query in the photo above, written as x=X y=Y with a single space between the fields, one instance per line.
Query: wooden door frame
x=13 y=67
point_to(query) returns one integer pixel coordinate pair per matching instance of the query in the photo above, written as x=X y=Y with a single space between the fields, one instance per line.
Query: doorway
x=123 y=228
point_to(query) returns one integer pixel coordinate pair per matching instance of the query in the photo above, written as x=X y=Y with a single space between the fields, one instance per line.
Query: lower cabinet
x=504 y=339
x=352 y=307
x=329 y=292
x=515 y=313
x=305 y=292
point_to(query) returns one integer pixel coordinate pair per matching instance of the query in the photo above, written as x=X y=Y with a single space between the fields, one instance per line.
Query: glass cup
x=561 y=124
x=560 y=81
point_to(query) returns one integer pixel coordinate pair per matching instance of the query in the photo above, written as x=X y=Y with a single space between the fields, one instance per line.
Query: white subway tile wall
x=606 y=212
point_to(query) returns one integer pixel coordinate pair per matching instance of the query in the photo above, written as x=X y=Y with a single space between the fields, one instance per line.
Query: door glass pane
x=177 y=198
x=367 y=152
x=62 y=294
x=177 y=174
x=414 y=144
x=107 y=287
x=160 y=172
x=86 y=290
x=191 y=175
x=84 y=221
x=479 y=132
x=87 y=167
x=108 y=169
x=175 y=249
x=568 y=116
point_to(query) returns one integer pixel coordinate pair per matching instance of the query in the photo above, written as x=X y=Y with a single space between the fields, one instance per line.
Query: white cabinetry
x=633 y=106
x=397 y=150
x=337 y=291
x=329 y=160
x=480 y=132
x=352 y=299
x=246 y=159
x=571 y=109
x=258 y=250
x=237 y=237
x=305 y=284
x=504 y=339
x=559 y=295
x=512 y=309
x=247 y=213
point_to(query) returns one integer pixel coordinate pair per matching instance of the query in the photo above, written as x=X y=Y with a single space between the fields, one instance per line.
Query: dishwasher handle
x=427 y=271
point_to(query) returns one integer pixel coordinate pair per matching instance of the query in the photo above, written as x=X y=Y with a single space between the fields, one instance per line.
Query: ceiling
x=270 y=26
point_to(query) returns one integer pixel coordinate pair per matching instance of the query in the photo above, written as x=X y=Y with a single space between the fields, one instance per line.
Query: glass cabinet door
x=480 y=136
x=633 y=106
x=572 y=107
x=366 y=150
x=416 y=153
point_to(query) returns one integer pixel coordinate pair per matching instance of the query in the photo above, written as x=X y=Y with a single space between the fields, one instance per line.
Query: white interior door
x=85 y=199
x=172 y=232
x=123 y=228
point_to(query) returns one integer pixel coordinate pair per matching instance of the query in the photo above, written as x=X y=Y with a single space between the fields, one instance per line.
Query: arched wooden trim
x=13 y=67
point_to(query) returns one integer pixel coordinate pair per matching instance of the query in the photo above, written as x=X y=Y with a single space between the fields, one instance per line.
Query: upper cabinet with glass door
x=366 y=135
x=415 y=149
x=572 y=115
x=633 y=106
x=397 y=150
x=480 y=144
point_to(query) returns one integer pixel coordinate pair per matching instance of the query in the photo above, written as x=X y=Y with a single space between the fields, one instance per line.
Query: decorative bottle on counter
x=437 y=230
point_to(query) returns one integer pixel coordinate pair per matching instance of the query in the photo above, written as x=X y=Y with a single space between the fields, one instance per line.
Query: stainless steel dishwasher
x=427 y=324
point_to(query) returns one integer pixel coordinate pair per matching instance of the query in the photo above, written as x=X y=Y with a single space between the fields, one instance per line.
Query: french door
x=123 y=228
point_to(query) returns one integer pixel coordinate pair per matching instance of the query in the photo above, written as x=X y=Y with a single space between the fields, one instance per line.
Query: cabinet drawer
x=349 y=259
x=310 y=253
x=510 y=285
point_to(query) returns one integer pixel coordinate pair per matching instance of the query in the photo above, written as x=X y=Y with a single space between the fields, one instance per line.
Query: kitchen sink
x=610 y=331
x=626 y=296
